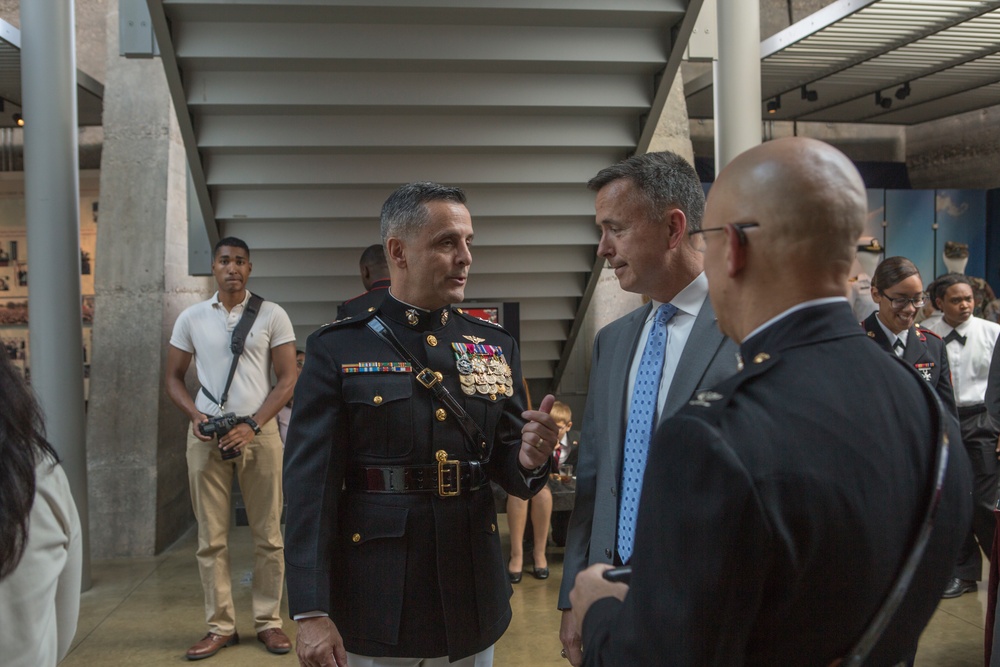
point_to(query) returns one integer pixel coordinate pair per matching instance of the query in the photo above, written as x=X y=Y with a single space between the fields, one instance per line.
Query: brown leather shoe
x=211 y=644
x=275 y=640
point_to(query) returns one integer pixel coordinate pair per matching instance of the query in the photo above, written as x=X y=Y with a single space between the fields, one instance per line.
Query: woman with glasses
x=899 y=293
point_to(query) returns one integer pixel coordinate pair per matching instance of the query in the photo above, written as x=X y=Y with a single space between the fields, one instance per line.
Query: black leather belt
x=445 y=478
x=964 y=412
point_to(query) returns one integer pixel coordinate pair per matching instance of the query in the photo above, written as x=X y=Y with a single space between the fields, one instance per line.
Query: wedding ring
x=562 y=654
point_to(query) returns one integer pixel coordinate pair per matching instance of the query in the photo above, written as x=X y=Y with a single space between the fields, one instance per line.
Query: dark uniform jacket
x=926 y=353
x=778 y=508
x=361 y=303
x=401 y=574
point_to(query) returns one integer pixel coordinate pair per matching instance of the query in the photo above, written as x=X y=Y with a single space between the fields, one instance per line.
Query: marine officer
x=403 y=416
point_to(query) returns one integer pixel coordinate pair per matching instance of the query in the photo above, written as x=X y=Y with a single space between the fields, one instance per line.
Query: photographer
x=233 y=429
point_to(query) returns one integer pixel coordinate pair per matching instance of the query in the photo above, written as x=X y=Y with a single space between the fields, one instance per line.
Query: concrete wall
x=958 y=152
x=135 y=436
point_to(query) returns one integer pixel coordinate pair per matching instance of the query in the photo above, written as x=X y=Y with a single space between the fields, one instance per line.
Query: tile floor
x=147 y=611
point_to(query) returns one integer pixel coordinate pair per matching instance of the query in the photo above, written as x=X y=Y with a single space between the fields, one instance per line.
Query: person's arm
x=692 y=597
x=178 y=362
x=581 y=522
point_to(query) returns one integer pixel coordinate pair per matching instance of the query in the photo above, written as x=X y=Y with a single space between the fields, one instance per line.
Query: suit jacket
x=361 y=303
x=401 y=574
x=708 y=358
x=781 y=506
x=926 y=353
x=993 y=388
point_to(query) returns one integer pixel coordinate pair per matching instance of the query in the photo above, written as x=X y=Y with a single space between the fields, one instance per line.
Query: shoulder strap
x=859 y=653
x=237 y=344
x=430 y=380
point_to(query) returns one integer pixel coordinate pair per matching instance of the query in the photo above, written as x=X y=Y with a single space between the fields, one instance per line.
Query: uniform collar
x=414 y=318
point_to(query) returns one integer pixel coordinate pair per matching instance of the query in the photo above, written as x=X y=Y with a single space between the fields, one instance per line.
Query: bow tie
x=954 y=335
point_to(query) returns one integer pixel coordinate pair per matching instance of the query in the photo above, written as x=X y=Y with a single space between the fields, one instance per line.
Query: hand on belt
x=445 y=478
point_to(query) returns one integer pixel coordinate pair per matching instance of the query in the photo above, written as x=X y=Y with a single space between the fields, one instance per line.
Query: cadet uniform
x=924 y=350
x=790 y=493
x=375 y=537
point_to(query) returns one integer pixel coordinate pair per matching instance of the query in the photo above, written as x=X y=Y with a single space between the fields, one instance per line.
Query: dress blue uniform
x=373 y=537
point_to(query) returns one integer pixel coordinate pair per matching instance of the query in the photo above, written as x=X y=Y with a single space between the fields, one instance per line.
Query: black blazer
x=361 y=303
x=924 y=351
x=777 y=510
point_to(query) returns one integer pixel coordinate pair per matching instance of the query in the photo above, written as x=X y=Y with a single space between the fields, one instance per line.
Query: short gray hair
x=405 y=211
x=663 y=180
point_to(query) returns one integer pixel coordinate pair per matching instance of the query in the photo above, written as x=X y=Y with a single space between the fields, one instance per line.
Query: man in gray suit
x=646 y=205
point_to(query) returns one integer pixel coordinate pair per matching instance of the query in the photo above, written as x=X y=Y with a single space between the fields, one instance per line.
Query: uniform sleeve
x=181 y=336
x=702 y=554
x=944 y=388
x=315 y=460
x=582 y=519
x=280 y=327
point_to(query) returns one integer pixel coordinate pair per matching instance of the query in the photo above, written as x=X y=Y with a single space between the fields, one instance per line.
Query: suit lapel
x=873 y=327
x=915 y=351
x=617 y=390
x=701 y=347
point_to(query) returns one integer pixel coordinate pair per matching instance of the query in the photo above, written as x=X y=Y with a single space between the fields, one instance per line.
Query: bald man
x=779 y=508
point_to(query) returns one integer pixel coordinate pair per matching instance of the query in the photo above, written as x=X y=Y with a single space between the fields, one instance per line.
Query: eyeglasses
x=738 y=226
x=899 y=303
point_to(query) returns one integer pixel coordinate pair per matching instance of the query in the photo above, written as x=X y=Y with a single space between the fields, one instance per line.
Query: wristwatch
x=252 y=424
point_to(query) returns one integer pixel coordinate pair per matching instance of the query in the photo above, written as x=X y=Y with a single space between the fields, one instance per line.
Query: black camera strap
x=431 y=381
x=237 y=344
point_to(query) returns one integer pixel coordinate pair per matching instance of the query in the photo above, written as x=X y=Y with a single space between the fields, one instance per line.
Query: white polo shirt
x=206 y=330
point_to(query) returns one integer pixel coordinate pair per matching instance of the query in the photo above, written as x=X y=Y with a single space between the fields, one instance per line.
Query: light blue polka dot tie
x=642 y=411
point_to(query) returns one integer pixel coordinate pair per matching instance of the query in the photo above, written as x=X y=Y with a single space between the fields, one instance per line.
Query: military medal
x=924 y=370
x=377 y=367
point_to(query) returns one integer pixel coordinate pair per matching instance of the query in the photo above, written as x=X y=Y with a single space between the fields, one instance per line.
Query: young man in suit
x=646 y=364
x=794 y=490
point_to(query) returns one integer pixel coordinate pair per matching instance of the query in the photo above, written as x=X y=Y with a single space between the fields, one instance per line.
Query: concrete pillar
x=139 y=495
x=737 y=80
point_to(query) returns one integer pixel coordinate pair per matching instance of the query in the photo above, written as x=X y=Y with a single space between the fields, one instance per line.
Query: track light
x=884 y=102
x=774 y=105
x=903 y=92
x=18 y=120
x=809 y=95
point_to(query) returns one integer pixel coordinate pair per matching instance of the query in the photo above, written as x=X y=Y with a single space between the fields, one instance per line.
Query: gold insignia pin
x=371 y=309
x=444 y=317
x=761 y=358
x=871 y=334
x=476 y=340
x=412 y=318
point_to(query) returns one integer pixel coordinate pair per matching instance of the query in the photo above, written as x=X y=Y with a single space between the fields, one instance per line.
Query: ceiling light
x=884 y=102
x=809 y=95
x=774 y=105
x=18 y=120
x=903 y=92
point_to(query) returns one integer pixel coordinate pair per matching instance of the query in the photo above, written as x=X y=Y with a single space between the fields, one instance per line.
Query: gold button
x=356 y=537
x=761 y=358
x=441 y=414
x=493 y=528
x=377 y=400
x=871 y=334
x=432 y=340
x=459 y=310
x=372 y=309
x=493 y=397
x=438 y=375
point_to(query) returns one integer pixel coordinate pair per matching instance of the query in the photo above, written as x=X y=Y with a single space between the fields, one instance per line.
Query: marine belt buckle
x=427 y=377
x=449 y=475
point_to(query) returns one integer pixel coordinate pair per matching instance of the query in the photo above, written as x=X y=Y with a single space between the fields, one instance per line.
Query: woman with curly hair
x=40 y=539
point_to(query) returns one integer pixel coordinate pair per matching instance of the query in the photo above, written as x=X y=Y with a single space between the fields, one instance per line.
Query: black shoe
x=515 y=577
x=957 y=587
x=540 y=572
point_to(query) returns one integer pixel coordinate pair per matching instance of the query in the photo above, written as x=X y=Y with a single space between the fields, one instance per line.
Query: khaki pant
x=211 y=480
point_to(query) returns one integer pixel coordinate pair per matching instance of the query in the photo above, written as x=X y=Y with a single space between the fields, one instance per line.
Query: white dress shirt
x=970 y=363
x=903 y=335
x=688 y=303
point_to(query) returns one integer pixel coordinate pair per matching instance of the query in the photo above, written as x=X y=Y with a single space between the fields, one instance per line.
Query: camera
x=219 y=426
